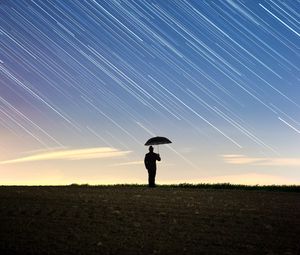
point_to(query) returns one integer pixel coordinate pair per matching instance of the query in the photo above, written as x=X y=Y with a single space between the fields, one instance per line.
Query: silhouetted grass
x=286 y=188
x=227 y=186
x=208 y=186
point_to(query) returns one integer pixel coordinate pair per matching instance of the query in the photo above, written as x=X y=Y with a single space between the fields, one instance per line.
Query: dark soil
x=140 y=220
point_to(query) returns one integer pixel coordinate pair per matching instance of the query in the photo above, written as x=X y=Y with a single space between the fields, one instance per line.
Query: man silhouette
x=150 y=164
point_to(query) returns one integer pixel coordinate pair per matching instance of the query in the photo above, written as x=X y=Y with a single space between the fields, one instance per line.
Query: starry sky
x=84 y=84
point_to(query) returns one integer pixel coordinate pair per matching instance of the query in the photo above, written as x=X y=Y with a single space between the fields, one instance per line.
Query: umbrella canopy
x=157 y=141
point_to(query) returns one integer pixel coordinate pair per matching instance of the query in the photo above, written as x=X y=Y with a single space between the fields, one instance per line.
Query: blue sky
x=85 y=83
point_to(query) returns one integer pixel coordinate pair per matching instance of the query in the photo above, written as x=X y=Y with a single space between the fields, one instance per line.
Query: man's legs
x=151 y=179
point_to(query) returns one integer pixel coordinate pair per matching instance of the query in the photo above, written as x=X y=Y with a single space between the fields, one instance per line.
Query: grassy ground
x=137 y=220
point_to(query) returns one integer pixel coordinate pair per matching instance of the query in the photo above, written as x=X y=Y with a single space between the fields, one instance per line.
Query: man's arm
x=146 y=161
x=158 y=157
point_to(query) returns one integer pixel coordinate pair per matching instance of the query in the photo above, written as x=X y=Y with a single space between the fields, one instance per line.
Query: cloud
x=130 y=163
x=251 y=179
x=261 y=161
x=77 y=154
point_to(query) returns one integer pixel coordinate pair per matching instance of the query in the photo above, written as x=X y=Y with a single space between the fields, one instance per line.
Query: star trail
x=221 y=79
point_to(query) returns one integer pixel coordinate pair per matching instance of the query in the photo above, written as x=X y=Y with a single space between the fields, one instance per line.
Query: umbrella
x=157 y=141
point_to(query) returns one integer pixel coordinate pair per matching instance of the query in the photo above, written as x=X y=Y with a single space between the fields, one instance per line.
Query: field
x=139 y=220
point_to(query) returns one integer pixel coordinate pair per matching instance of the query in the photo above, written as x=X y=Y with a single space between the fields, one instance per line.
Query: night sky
x=84 y=84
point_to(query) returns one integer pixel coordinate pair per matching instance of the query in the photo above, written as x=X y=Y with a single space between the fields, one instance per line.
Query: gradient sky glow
x=84 y=84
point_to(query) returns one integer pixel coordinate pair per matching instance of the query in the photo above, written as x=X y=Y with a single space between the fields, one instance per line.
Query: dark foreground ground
x=139 y=220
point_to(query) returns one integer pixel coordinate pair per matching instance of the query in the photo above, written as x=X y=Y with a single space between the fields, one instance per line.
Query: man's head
x=151 y=149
